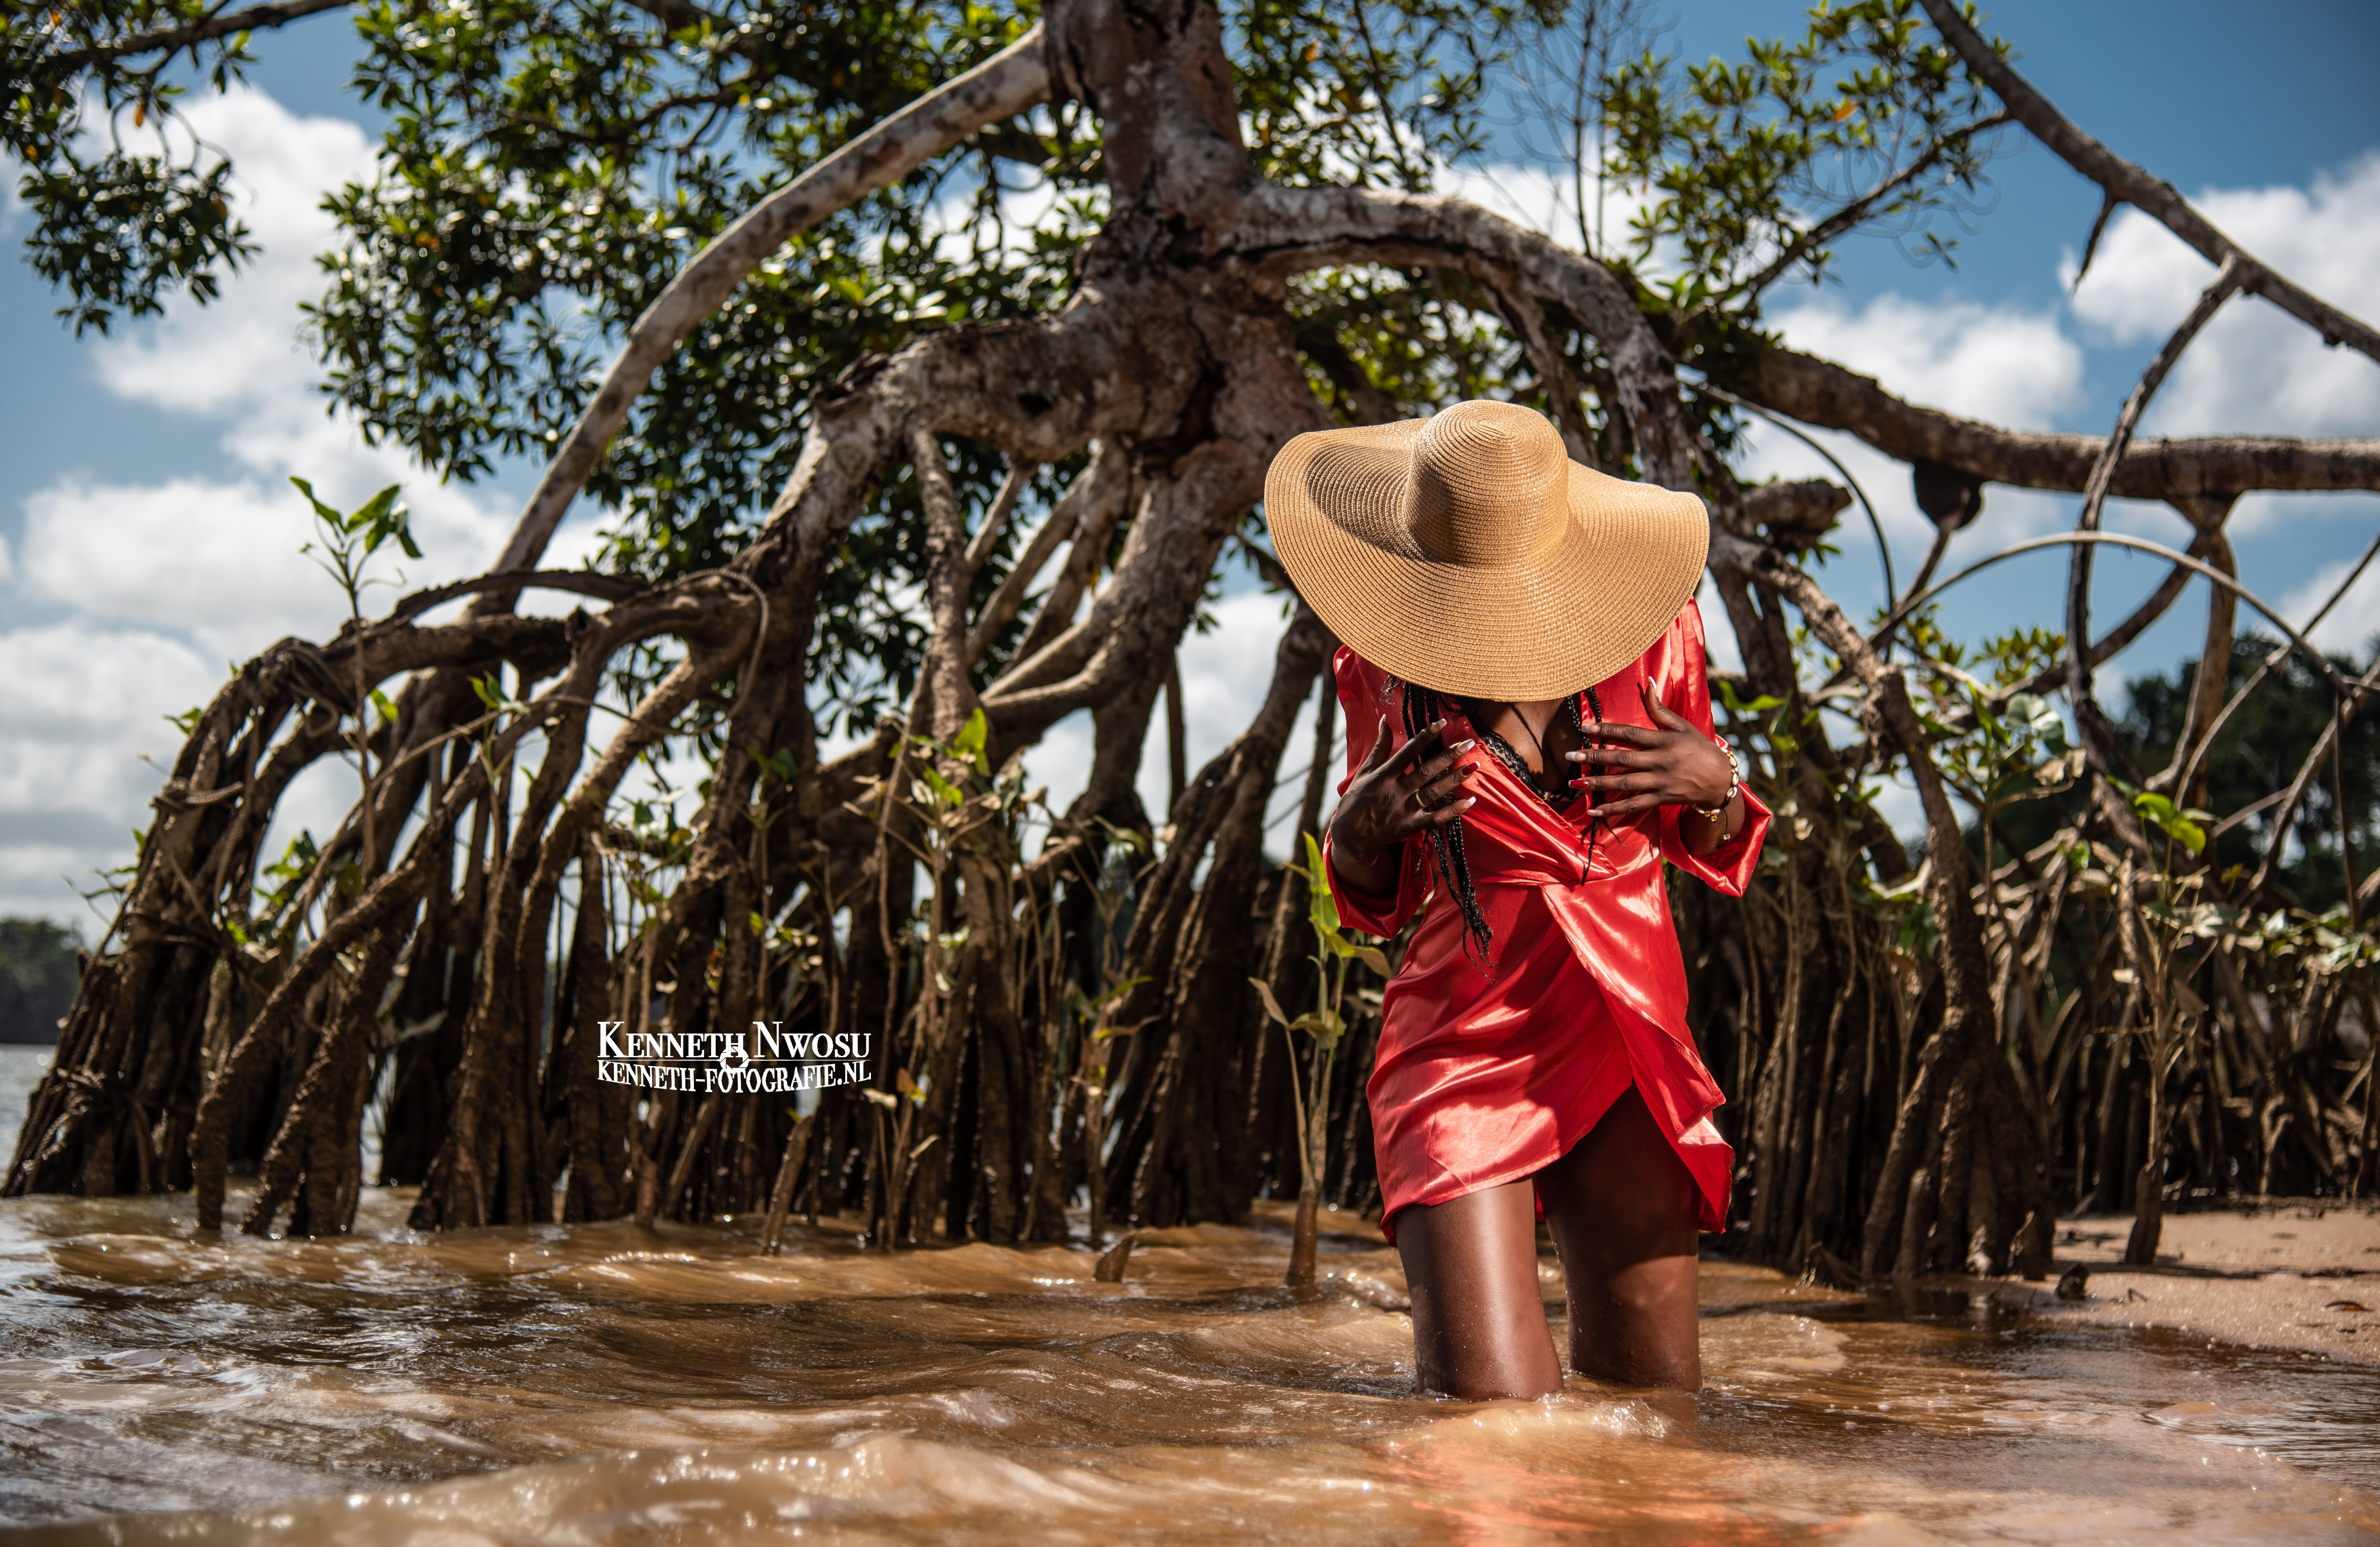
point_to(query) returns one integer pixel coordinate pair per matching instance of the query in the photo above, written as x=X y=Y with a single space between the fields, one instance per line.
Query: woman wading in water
x=1529 y=738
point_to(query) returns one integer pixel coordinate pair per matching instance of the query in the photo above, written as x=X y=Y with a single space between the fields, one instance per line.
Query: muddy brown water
x=600 y=1384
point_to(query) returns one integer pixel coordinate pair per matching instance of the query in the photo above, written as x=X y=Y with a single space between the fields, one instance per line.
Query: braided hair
x=1422 y=707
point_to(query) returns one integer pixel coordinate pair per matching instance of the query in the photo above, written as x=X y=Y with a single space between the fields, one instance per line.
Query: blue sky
x=147 y=536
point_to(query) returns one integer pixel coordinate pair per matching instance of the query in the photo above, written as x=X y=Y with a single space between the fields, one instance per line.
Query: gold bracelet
x=1734 y=783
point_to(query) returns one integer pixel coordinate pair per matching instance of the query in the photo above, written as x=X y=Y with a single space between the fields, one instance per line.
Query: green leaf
x=379 y=518
x=1740 y=708
x=2180 y=825
x=379 y=701
x=944 y=791
x=1324 y=907
x=380 y=508
x=329 y=516
x=1272 y=1006
x=969 y=742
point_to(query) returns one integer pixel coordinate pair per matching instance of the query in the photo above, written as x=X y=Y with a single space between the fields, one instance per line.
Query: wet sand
x=2296 y=1274
x=2289 y=1274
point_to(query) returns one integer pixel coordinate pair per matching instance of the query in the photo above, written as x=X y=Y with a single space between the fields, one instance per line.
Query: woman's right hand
x=1394 y=794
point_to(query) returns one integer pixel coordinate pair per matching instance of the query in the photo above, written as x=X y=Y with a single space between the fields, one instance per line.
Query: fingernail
x=1465 y=746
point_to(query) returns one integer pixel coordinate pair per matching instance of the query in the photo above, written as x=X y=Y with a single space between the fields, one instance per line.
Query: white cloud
x=2255 y=368
x=1226 y=671
x=163 y=583
x=244 y=348
x=218 y=558
x=2000 y=364
x=69 y=681
x=241 y=359
x=82 y=705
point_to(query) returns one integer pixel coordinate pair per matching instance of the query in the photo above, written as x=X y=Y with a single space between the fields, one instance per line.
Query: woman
x=1529 y=738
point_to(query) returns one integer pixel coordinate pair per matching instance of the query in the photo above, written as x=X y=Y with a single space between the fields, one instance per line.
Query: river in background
x=599 y=1384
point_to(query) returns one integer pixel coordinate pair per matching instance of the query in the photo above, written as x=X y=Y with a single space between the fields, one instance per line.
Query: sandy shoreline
x=2295 y=1274
x=2300 y=1274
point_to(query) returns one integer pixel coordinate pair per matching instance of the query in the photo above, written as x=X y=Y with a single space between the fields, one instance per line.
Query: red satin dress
x=1487 y=1075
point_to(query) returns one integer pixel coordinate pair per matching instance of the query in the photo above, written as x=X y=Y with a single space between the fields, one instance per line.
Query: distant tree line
x=37 y=979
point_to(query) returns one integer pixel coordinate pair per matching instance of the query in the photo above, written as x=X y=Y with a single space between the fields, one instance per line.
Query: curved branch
x=2303 y=645
x=2152 y=196
x=1288 y=230
x=1819 y=392
x=2094 y=494
x=2103 y=649
x=995 y=520
x=647 y=723
x=2205 y=744
x=1556 y=379
x=1000 y=86
x=1883 y=549
x=1063 y=521
x=585 y=582
x=1107 y=489
x=168 y=39
x=1037 y=391
x=2351 y=698
x=1967 y=1020
x=1260 y=401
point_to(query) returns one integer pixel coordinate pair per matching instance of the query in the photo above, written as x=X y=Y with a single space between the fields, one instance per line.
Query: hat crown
x=1489 y=485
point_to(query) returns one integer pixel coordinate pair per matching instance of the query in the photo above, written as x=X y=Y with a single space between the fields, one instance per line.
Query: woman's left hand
x=1666 y=763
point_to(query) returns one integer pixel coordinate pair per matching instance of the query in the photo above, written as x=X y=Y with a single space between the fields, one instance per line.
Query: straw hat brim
x=1564 y=619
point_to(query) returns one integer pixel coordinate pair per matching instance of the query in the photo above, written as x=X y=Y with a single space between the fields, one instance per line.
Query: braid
x=1421 y=707
x=1594 y=817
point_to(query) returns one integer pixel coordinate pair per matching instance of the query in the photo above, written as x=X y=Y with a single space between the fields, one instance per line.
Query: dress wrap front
x=1487 y=1075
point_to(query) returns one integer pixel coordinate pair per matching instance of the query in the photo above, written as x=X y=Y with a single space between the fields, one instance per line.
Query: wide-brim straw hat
x=1466 y=552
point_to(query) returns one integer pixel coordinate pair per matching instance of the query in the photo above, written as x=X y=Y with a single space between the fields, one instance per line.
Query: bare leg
x=1622 y=1210
x=1480 y=1321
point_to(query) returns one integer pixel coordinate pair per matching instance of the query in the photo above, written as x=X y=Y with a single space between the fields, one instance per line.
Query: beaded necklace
x=1535 y=782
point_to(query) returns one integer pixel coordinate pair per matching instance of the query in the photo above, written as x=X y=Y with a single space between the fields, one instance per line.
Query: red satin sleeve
x=1370 y=707
x=1681 y=675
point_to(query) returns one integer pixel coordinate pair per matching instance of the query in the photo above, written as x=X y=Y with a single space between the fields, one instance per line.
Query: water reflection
x=553 y=1386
